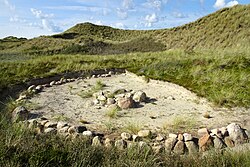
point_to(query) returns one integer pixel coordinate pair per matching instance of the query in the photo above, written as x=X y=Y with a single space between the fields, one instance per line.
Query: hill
x=226 y=28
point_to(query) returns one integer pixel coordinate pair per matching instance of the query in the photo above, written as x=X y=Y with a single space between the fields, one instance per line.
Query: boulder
x=125 y=103
x=50 y=131
x=187 y=137
x=126 y=136
x=20 y=114
x=172 y=135
x=96 y=141
x=31 y=88
x=136 y=138
x=218 y=143
x=205 y=142
x=160 y=137
x=191 y=147
x=39 y=88
x=87 y=133
x=170 y=143
x=179 y=147
x=229 y=142
x=180 y=137
x=121 y=144
x=140 y=96
x=145 y=133
x=236 y=133
x=52 y=83
x=203 y=131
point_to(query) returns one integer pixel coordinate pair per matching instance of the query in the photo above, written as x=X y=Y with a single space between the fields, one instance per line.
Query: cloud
x=221 y=4
x=156 y=4
x=128 y=4
x=120 y=26
x=151 y=19
x=46 y=23
x=121 y=13
x=16 y=18
x=179 y=15
x=9 y=5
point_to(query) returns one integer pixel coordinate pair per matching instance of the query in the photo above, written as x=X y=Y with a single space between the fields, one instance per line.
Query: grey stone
x=80 y=129
x=110 y=101
x=187 y=137
x=125 y=103
x=60 y=125
x=63 y=129
x=96 y=141
x=170 y=143
x=180 y=137
x=140 y=96
x=121 y=144
x=179 y=147
x=50 y=130
x=136 y=138
x=20 y=114
x=87 y=133
x=191 y=147
x=160 y=137
x=108 y=142
x=218 y=143
x=172 y=135
x=50 y=124
x=31 y=88
x=126 y=136
x=236 y=133
x=144 y=133
x=52 y=83
x=72 y=130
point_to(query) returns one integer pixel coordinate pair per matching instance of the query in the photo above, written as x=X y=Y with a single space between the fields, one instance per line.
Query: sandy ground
x=62 y=103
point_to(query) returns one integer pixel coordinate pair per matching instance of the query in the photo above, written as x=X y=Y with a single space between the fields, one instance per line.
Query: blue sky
x=32 y=18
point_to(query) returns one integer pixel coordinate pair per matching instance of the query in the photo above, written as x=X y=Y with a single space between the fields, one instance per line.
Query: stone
x=63 y=129
x=96 y=141
x=22 y=97
x=179 y=147
x=101 y=98
x=140 y=96
x=43 y=122
x=110 y=101
x=126 y=136
x=158 y=148
x=236 y=133
x=50 y=131
x=143 y=145
x=31 y=88
x=125 y=103
x=52 y=83
x=50 y=124
x=72 y=130
x=111 y=73
x=108 y=142
x=218 y=143
x=136 y=138
x=191 y=147
x=205 y=142
x=80 y=129
x=172 y=135
x=170 y=98
x=180 y=137
x=61 y=124
x=160 y=137
x=187 y=137
x=144 y=133
x=39 y=88
x=87 y=133
x=121 y=144
x=170 y=143
x=224 y=131
x=203 y=131
x=20 y=114
x=228 y=142
x=33 y=124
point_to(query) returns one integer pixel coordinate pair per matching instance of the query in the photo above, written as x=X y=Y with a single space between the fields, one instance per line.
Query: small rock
x=33 y=123
x=52 y=83
x=39 y=88
x=205 y=142
x=50 y=130
x=144 y=133
x=126 y=136
x=43 y=122
x=101 y=98
x=143 y=145
x=50 y=124
x=60 y=125
x=108 y=142
x=203 y=131
x=96 y=141
x=187 y=137
x=125 y=103
x=121 y=144
x=111 y=73
x=179 y=147
x=224 y=131
x=180 y=137
x=170 y=143
x=160 y=137
x=87 y=133
x=22 y=97
x=191 y=147
x=31 y=88
x=136 y=138
x=20 y=114
x=170 y=98
x=63 y=129
x=110 y=101
x=158 y=148
x=218 y=143
x=172 y=135
x=140 y=96
x=228 y=142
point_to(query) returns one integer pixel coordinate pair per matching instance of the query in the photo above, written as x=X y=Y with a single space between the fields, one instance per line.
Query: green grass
x=113 y=112
x=89 y=93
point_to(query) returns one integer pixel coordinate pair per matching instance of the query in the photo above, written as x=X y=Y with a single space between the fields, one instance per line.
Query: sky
x=32 y=18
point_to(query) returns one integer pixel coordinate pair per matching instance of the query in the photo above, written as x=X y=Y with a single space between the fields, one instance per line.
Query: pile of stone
x=121 y=98
x=183 y=143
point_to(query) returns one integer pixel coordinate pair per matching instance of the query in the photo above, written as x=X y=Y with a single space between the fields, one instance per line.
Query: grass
x=132 y=127
x=113 y=112
x=96 y=88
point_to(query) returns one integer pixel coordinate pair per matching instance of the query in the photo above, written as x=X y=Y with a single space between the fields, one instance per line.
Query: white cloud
x=16 y=18
x=120 y=25
x=46 y=23
x=121 y=13
x=9 y=5
x=156 y=4
x=128 y=4
x=232 y=3
x=221 y=4
x=179 y=15
x=151 y=19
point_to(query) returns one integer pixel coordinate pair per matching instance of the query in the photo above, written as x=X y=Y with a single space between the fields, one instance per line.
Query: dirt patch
x=171 y=107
